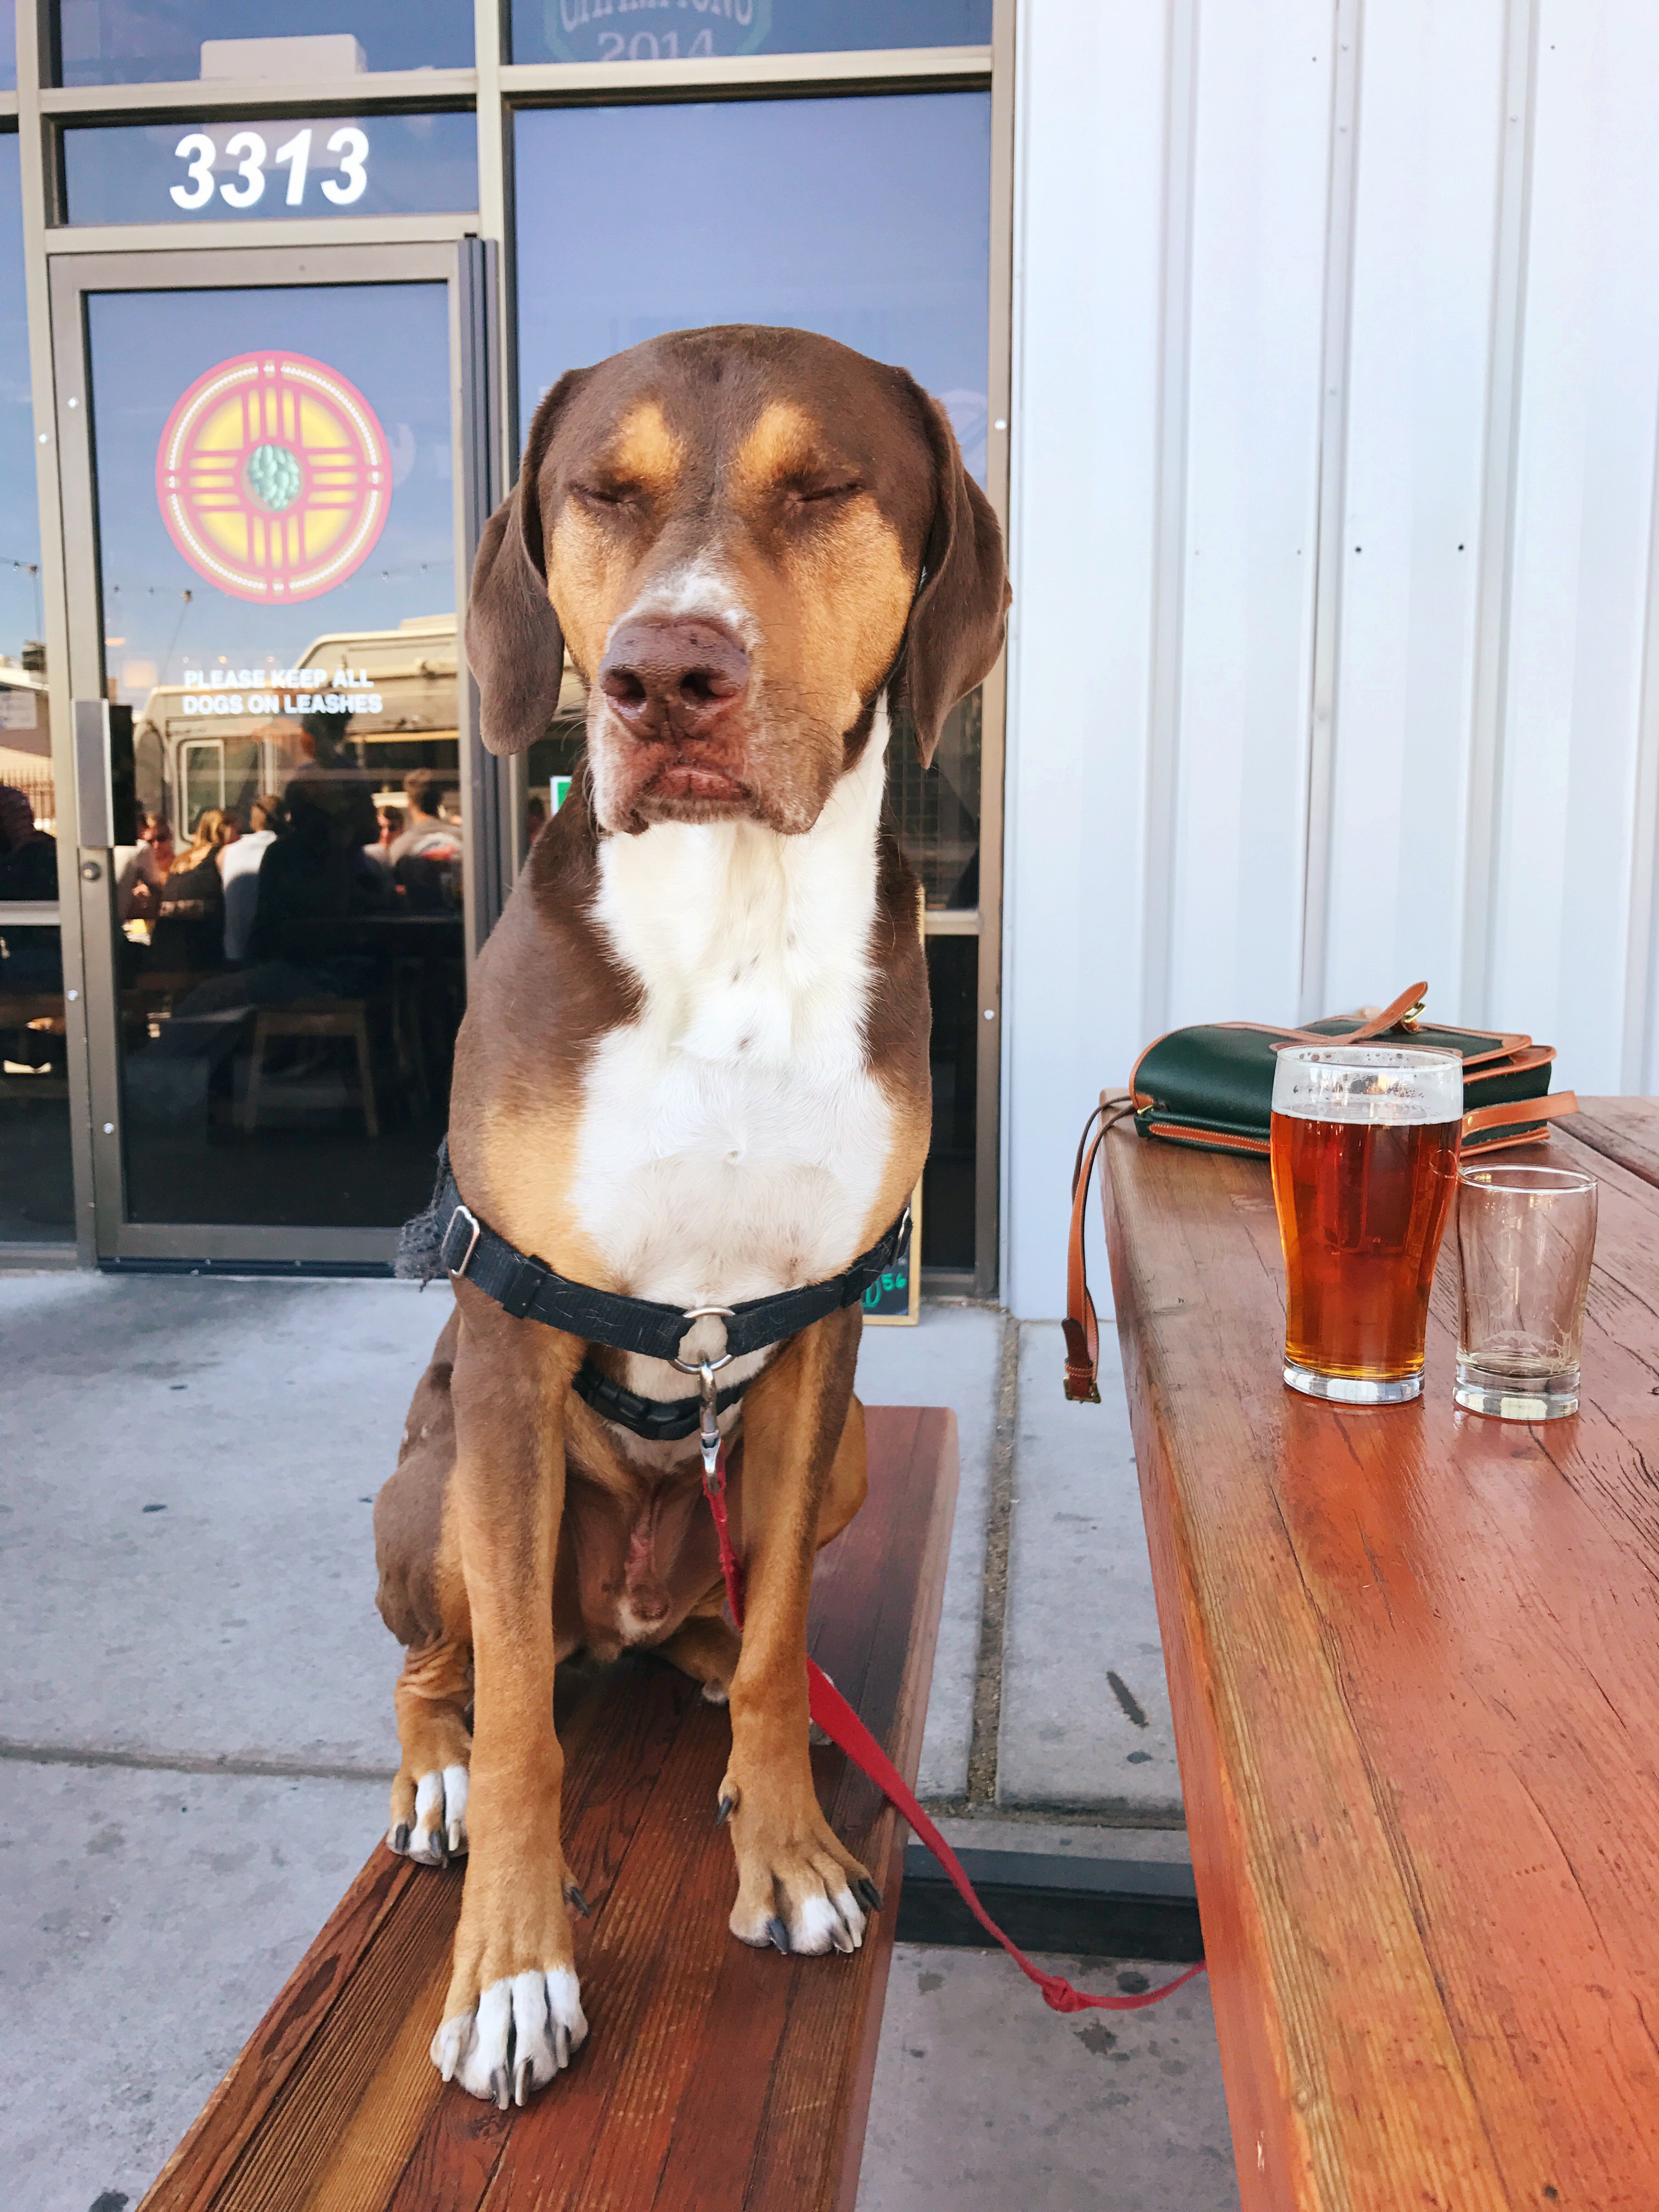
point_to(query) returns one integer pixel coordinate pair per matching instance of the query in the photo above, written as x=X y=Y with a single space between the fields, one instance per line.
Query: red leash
x=843 y=1726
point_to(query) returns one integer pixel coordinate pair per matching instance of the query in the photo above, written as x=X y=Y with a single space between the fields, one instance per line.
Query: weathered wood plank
x=713 y=2075
x=1415 y=1674
x=1622 y=1129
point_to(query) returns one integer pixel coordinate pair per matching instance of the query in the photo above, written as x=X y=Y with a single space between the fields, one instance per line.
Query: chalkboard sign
x=895 y=1298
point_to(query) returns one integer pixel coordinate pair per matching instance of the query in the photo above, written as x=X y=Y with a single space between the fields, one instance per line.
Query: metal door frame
x=466 y=267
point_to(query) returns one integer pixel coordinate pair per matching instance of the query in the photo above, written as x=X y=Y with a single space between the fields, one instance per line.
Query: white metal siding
x=1337 y=384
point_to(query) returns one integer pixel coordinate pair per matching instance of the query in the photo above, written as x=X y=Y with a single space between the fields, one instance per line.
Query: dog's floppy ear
x=514 y=643
x=955 y=625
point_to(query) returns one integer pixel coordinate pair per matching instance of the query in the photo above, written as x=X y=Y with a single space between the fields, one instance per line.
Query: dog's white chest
x=733 y=1137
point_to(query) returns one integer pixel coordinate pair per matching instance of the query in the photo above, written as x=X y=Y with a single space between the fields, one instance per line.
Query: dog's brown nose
x=673 y=678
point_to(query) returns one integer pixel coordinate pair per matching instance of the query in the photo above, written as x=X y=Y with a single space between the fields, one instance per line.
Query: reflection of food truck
x=231 y=733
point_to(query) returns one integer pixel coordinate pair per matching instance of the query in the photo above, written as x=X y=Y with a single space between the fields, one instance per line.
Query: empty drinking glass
x=1525 y=1239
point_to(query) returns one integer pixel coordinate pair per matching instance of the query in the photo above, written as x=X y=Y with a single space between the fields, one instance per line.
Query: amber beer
x=1364 y=1164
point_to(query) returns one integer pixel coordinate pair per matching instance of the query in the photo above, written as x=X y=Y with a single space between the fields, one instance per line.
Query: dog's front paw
x=522 y=2031
x=438 y=1831
x=513 y=2015
x=797 y=1888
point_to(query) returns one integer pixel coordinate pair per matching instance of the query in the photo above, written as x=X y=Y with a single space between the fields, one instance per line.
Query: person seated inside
x=239 y=865
x=317 y=871
x=393 y=821
x=30 y=958
x=189 y=926
x=138 y=892
x=426 y=833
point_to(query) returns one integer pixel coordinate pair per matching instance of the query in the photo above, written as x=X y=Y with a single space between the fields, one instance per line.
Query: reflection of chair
x=313 y=1017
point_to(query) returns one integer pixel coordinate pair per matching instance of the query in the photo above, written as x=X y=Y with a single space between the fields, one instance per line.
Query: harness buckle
x=460 y=1266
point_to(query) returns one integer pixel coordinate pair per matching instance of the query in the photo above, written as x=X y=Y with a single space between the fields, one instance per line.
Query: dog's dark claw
x=440 y=1846
x=500 y=2091
x=780 y=1935
x=400 y=1837
x=725 y=1812
x=868 y=1893
x=576 y=1901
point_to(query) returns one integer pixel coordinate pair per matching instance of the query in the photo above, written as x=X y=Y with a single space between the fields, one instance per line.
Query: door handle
x=94 y=799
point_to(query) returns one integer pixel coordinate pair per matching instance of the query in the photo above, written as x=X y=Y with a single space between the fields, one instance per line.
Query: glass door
x=275 y=469
x=37 y=1182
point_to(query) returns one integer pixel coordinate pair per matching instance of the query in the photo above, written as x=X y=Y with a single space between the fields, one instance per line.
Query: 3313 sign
x=254 y=167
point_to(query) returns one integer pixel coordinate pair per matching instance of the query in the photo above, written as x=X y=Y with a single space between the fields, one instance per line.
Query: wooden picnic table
x=1413 y=1655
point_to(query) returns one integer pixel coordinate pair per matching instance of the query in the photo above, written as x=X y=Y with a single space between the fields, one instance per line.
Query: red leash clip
x=845 y=1730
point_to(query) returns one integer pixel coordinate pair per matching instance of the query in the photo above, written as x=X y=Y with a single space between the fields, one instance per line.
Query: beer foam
x=1381 y=1085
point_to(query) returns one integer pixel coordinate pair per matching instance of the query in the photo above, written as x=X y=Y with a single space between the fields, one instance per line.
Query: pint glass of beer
x=1364 y=1164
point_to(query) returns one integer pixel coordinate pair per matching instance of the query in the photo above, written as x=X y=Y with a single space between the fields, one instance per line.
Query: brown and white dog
x=694 y=1068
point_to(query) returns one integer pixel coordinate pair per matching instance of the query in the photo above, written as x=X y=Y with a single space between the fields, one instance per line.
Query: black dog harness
x=450 y=1238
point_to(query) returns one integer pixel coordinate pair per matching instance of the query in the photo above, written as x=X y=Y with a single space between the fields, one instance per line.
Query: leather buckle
x=465 y=1218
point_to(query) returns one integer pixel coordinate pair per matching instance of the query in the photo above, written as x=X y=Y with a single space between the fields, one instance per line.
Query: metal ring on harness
x=710 y=1367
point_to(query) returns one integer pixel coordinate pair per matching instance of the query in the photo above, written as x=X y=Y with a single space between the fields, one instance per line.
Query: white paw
x=526 y=2028
x=439 y=1830
x=836 y=1923
x=814 y=1914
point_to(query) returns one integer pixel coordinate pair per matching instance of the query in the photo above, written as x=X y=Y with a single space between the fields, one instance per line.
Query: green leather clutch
x=1212 y=1086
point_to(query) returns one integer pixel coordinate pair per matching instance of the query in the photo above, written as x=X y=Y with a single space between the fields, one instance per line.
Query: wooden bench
x=715 y=2077
x=1413 y=1658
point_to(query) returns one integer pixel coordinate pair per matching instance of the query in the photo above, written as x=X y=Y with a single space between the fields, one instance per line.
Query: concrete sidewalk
x=198 y=1727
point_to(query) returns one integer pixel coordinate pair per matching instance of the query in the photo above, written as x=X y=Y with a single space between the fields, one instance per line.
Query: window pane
x=669 y=30
x=8 y=45
x=873 y=227
x=937 y=808
x=37 y=1191
x=172 y=41
x=193 y=172
x=947 y=1182
x=276 y=523
x=37 y=1200
x=20 y=508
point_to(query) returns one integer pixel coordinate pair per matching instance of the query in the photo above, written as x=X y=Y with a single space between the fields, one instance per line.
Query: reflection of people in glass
x=318 y=872
x=29 y=857
x=138 y=893
x=426 y=858
x=189 y=927
x=239 y=866
x=339 y=786
x=28 y=870
x=426 y=829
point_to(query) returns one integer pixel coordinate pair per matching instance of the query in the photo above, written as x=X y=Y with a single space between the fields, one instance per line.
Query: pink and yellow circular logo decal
x=273 y=476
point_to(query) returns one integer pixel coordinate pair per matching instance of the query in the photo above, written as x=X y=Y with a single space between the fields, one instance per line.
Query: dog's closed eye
x=821 y=495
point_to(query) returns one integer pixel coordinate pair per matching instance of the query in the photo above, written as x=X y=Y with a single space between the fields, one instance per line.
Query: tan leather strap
x=1524 y=1111
x=1405 y=1009
x=1081 y=1327
x=1401 y=1012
